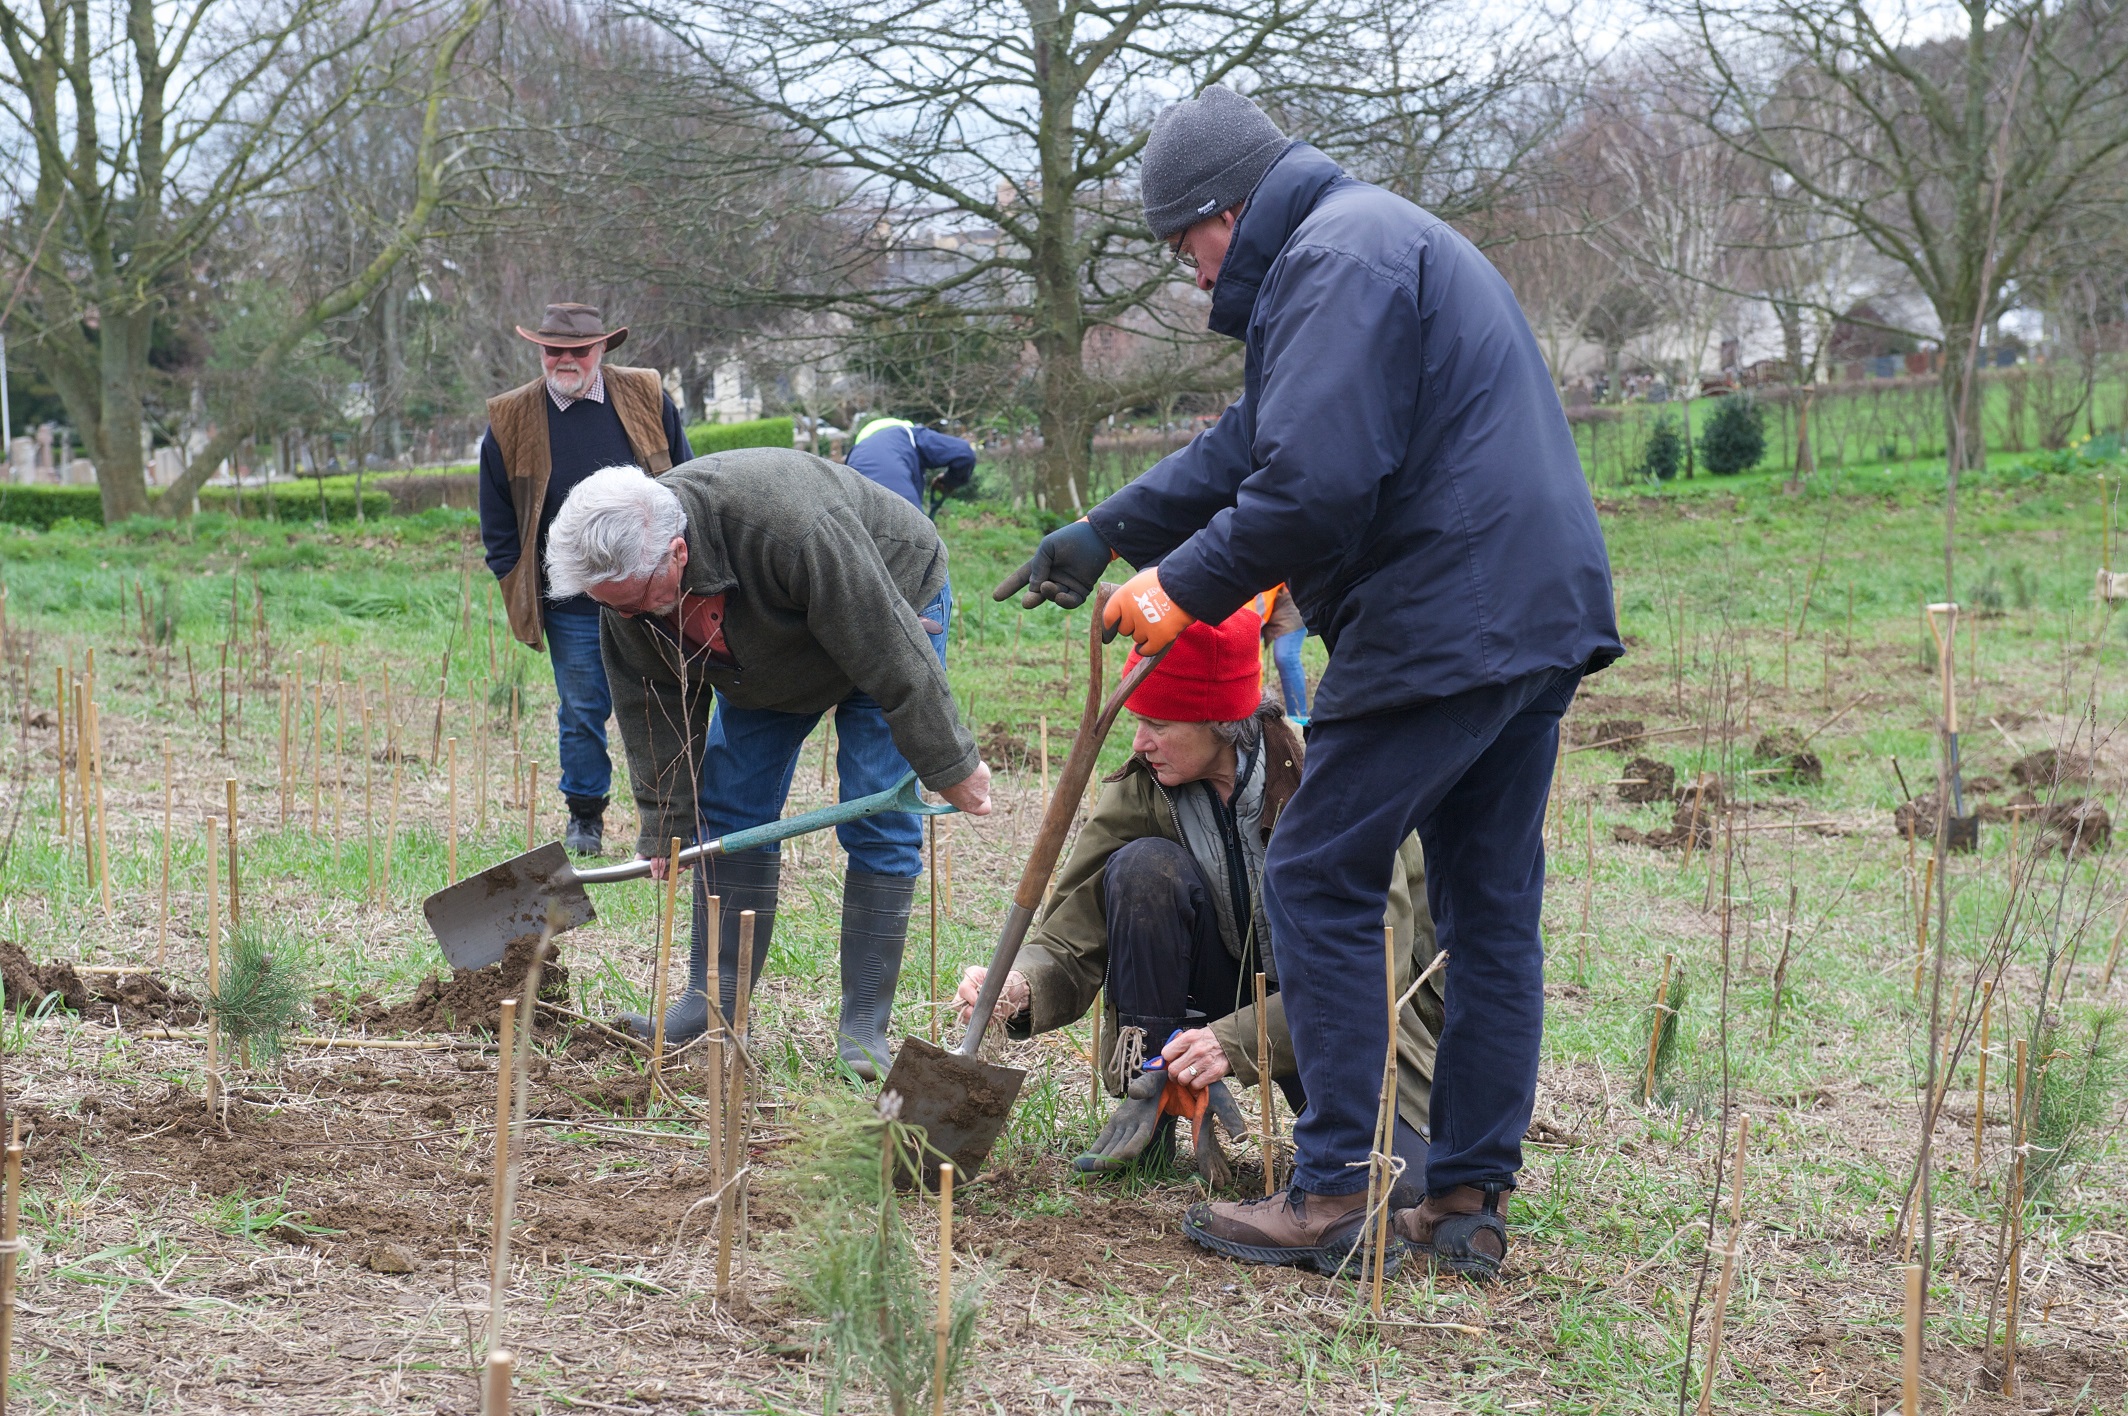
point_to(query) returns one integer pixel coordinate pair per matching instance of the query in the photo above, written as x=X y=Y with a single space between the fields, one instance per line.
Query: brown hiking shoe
x=1295 y=1227
x=1463 y=1230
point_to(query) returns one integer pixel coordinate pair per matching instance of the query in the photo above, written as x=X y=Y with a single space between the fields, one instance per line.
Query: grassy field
x=173 y=1265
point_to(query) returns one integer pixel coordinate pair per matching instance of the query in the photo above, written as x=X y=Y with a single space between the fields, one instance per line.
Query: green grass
x=1610 y=1225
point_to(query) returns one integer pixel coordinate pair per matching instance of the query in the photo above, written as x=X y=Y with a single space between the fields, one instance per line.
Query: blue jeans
x=751 y=755
x=1292 y=683
x=583 y=704
x=1469 y=773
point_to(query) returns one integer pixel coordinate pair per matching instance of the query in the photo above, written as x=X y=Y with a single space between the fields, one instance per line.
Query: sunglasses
x=573 y=351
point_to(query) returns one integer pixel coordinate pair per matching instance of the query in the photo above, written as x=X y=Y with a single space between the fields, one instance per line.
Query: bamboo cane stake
x=214 y=968
x=1928 y=884
x=83 y=758
x=284 y=751
x=1379 y=1177
x=2017 y=1228
x=369 y=802
x=391 y=837
x=1728 y=1274
x=192 y=697
x=10 y=1247
x=498 y=1199
x=103 y=858
x=2113 y=954
x=827 y=747
x=735 y=1105
x=657 y=992
x=493 y=667
x=943 y=1326
x=1980 y=1090
x=339 y=757
x=713 y=1056
x=480 y=775
x=162 y=926
x=317 y=752
x=1263 y=1083
x=933 y=995
x=1910 y=1346
x=505 y=1074
x=1092 y=1074
x=59 y=677
x=1655 y=1028
x=450 y=811
x=531 y=802
x=495 y=1384
x=235 y=907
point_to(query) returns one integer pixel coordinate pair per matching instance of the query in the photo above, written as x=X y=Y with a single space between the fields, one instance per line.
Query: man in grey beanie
x=1400 y=460
x=1203 y=157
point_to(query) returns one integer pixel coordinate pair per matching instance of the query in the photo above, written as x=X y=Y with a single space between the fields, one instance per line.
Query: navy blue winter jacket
x=897 y=456
x=1398 y=457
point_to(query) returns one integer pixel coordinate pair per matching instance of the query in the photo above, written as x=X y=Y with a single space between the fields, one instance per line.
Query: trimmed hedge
x=706 y=438
x=46 y=507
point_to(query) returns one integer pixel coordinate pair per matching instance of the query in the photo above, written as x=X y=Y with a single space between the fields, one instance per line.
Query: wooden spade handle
x=1094 y=722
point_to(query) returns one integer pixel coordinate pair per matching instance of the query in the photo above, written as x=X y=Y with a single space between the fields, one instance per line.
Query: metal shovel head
x=477 y=919
x=960 y=1104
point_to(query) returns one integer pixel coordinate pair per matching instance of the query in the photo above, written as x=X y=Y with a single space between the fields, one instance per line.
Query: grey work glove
x=1130 y=1129
x=1065 y=568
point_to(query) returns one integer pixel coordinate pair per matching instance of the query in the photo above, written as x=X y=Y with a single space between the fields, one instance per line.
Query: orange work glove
x=1142 y=610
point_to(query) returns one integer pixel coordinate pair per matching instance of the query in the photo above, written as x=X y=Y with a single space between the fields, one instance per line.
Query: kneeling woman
x=1161 y=903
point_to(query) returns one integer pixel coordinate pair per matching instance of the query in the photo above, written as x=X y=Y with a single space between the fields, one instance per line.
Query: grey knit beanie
x=1205 y=154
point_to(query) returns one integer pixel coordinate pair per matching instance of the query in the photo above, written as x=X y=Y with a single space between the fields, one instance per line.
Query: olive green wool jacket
x=1066 y=960
x=823 y=575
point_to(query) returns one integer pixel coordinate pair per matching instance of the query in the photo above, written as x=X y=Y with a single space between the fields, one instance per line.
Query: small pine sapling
x=2083 y=1066
x=863 y=1275
x=265 y=990
x=1659 y=1044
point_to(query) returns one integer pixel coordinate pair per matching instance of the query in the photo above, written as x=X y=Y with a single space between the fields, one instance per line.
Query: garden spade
x=959 y=1101
x=477 y=919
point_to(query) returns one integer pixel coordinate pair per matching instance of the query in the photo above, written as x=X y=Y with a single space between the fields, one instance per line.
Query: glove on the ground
x=1131 y=1126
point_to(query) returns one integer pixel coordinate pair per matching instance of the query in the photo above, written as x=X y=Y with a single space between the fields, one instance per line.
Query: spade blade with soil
x=959 y=1101
x=476 y=919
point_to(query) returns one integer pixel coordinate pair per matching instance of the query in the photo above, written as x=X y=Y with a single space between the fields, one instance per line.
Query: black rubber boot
x=742 y=882
x=586 y=835
x=875 y=927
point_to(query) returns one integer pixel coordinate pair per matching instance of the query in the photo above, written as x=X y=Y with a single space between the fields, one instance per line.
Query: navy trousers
x=1469 y=773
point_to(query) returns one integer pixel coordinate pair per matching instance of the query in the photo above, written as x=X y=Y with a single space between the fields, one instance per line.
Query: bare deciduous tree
x=149 y=129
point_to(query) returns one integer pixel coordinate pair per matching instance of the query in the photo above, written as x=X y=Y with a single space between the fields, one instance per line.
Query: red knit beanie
x=1213 y=673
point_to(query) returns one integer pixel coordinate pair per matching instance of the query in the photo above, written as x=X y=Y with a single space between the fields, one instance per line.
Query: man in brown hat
x=580 y=415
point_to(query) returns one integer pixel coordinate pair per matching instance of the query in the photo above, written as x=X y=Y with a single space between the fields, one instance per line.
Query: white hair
x=617 y=524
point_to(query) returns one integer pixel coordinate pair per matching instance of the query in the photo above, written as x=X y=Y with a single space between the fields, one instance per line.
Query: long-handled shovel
x=477 y=919
x=960 y=1101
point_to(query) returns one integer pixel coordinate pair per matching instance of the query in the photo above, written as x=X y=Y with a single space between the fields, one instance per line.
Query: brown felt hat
x=570 y=323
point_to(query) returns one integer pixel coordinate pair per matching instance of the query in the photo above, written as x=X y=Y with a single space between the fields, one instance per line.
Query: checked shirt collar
x=595 y=394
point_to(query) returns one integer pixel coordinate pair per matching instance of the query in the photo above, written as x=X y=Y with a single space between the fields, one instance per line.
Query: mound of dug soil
x=1784 y=749
x=1645 y=780
x=2048 y=768
x=135 y=997
x=470 y=1001
x=1618 y=734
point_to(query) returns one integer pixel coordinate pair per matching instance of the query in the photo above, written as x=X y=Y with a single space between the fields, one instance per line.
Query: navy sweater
x=580 y=441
